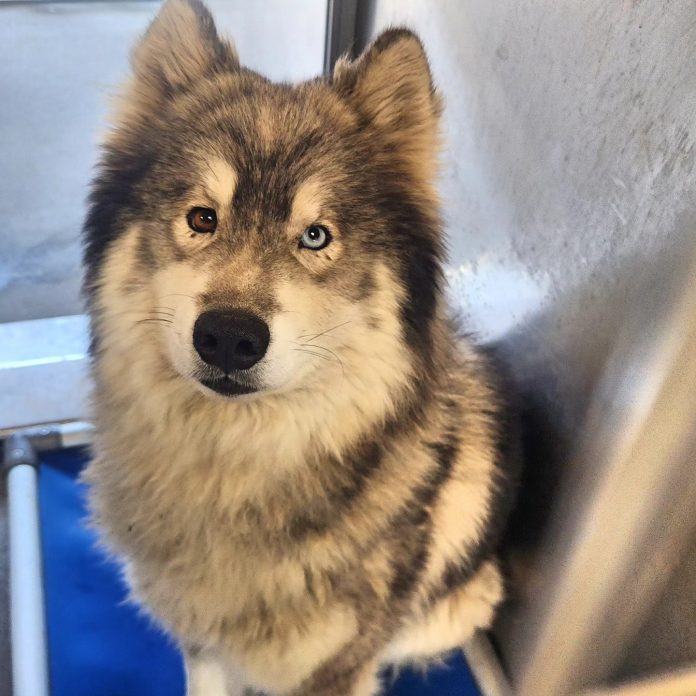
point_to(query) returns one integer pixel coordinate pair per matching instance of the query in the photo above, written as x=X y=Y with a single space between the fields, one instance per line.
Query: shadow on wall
x=557 y=361
x=558 y=358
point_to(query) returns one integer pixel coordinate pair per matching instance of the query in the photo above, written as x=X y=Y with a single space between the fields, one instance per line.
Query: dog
x=303 y=467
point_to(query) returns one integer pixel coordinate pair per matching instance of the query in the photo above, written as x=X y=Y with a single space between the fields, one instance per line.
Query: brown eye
x=202 y=220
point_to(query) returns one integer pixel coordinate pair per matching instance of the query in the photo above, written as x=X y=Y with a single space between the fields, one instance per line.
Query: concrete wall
x=59 y=63
x=569 y=199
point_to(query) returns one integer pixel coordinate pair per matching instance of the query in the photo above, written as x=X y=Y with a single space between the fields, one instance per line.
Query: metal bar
x=27 y=617
x=340 y=31
x=485 y=666
x=52 y=436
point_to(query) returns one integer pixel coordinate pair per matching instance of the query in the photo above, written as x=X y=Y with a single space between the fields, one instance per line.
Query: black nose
x=230 y=340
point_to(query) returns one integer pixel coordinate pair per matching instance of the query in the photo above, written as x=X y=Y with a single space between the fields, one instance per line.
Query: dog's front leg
x=206 y=675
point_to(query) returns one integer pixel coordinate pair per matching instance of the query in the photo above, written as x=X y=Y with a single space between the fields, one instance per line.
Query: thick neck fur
x=235 y=456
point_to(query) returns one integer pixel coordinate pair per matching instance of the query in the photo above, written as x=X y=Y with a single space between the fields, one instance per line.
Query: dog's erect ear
x=180 y=47
x=391 y=85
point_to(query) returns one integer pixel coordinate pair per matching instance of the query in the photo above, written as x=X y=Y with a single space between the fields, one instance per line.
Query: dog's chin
x=228 y=387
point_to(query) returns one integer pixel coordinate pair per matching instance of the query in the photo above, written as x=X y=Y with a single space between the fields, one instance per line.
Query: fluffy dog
x=303 y=468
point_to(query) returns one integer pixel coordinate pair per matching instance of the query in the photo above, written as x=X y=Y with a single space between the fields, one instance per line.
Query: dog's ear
x=391 y=85
x=179 y=48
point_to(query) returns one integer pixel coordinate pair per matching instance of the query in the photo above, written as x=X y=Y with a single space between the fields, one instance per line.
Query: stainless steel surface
x=569 y=201
x=627 y=514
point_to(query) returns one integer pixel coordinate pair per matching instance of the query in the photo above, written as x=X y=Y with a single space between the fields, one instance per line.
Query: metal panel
x=340 y=30
x=569 y=201
x=625 y=516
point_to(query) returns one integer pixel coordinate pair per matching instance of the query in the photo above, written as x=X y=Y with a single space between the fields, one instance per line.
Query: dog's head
x=267 y=234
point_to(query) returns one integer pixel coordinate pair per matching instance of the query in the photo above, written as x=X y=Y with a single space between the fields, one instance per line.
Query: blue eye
x=315 y=237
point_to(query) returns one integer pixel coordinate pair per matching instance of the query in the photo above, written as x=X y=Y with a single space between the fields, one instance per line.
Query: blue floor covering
x=101 y=646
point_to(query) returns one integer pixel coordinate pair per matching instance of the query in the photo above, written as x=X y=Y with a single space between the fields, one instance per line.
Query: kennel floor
x=99 y=645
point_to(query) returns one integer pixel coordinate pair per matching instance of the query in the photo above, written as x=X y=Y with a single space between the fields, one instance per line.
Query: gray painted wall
x=569 y=199
x=59 y=64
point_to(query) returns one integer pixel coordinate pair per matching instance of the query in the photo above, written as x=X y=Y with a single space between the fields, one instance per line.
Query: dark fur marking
x=393 y=35
x=304 y=525
x=113 y=194
x=506 y=473
x=415 y=236
x=351 y=475
x=355 y=471
x=365 y=286
x=457 y=574
x=407 y=570
x=373 y=323
x=366 y=461
x=339 y=674
x=267 y=180
x=263 y=304
x=446 y=453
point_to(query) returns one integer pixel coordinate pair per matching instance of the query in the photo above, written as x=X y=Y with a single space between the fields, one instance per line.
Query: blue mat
x=100 y=646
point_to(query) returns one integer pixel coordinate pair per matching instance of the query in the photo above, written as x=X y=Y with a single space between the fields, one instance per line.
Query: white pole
x=27 y=617
x=484 y=665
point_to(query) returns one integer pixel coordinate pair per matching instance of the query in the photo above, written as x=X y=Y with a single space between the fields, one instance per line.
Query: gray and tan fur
x=299 y=524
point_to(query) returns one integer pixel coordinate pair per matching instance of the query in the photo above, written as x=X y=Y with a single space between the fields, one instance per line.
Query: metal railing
x=29 y=648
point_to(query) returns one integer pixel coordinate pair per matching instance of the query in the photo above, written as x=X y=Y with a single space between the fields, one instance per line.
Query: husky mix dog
x=303 y=468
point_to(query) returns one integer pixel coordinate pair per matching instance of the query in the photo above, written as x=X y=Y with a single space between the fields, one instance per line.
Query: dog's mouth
x=226 y=386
